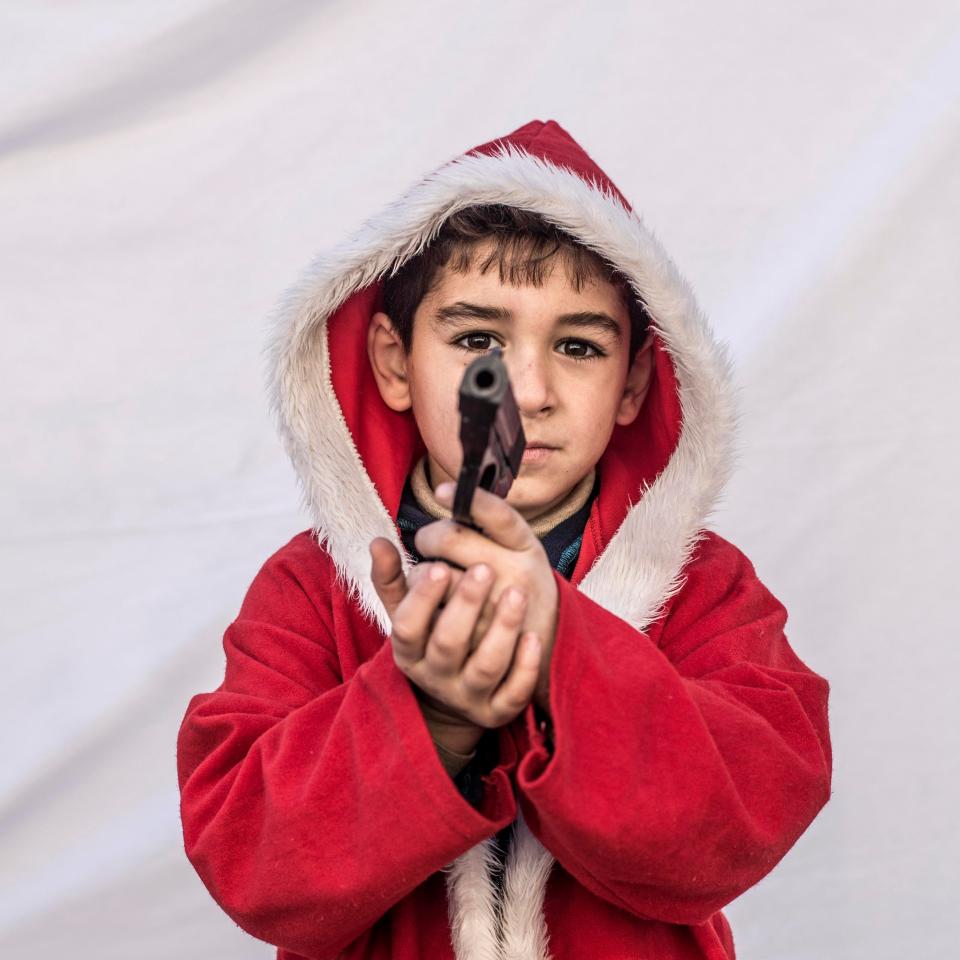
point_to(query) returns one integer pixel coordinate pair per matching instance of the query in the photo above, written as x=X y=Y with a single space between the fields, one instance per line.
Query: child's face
x=569 y=404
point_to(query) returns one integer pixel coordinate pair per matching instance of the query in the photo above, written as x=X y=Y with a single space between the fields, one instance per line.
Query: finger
x=498 y=520
x=484 y=621
x=456 y=543
x=449 y=643
x=489 y=663
x=419 y=570
x=386 y=573
x=517 y=690
x=411 y=619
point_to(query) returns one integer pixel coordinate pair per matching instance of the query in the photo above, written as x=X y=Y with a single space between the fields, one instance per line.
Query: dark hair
x=523 y=246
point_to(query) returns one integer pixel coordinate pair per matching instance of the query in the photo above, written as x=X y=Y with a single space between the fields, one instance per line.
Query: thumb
x=386 y=572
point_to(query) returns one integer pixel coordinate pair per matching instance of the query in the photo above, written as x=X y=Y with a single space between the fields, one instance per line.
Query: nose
x=531 y=383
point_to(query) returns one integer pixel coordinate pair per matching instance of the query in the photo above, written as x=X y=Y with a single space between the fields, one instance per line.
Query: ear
x=638 y=383
x=389 y=362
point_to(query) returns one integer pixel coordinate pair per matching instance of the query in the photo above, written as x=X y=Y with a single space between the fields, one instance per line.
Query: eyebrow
x=461 y=313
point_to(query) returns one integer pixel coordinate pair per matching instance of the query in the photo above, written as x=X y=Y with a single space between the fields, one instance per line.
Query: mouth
x=536 y=453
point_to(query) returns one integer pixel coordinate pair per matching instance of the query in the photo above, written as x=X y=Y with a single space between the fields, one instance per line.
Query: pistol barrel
x=491 y=433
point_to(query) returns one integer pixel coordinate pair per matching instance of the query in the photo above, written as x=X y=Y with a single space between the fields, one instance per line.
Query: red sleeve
x=686 y=761
x=311 y=805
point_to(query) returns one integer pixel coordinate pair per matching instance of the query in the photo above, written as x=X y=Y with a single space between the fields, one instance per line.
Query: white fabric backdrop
x=167 y=169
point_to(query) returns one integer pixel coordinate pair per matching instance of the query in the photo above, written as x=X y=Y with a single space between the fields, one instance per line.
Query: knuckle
x=445 y=643
x=511 y=604
x=497 y=718
x=513 y=704
x=484 y=668
x=484 y=675
x=472 y=590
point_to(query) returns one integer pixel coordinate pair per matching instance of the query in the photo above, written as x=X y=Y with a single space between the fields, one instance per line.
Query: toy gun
x=491 y=434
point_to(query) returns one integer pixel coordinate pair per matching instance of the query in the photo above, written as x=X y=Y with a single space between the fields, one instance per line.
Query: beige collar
x=540 y=525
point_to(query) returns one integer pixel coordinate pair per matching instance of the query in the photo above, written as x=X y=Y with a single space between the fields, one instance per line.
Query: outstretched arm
x=686 y=761
x=300 y=790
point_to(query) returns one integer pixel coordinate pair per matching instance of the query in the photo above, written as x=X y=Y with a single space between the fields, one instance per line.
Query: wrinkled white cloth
x=162 y=168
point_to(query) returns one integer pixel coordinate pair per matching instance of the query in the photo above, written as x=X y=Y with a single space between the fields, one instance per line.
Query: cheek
x=594 y=415
x=435 y=406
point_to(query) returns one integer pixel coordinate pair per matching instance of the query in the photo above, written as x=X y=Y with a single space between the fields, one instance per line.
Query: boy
x=400 y=762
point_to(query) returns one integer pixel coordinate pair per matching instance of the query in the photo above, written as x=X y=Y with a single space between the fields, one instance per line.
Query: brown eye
x=473 y=341
x=581 y=350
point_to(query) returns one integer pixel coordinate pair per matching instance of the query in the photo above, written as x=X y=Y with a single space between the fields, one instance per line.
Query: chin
x=525 y=496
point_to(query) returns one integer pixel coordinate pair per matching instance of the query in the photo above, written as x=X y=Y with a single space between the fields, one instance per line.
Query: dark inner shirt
x=562 y=545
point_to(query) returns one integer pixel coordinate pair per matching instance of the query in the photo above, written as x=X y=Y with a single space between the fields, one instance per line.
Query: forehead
x=553 y=283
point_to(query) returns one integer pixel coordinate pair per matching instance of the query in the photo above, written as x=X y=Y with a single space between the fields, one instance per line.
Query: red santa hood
x=659 y=477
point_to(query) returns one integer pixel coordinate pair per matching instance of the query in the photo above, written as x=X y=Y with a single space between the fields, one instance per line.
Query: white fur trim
x=525 y=884
x=472 y=903
x=640 y=568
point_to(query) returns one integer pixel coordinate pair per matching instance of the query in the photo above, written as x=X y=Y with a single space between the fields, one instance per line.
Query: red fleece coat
x=690 y=743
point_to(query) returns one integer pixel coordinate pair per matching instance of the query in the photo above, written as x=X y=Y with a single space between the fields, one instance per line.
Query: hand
x=420 y=570
x=433 y=649
x=511 y=549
